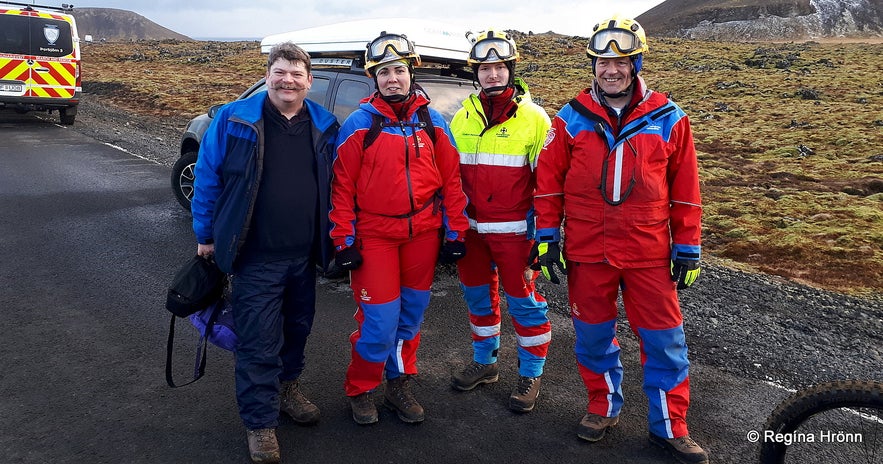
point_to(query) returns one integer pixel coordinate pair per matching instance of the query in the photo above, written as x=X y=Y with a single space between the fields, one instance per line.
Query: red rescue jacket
x=626 y=191
x=402 y=184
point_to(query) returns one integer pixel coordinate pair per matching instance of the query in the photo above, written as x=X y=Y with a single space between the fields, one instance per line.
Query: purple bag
x=219 y=316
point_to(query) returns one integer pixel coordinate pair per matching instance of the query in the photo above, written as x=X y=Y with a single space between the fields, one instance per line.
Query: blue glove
x=685 y=265
x=451 y=251
x=545 y=257
x=348 y=258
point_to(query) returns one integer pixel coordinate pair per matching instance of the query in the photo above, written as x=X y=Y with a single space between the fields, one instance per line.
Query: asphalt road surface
x=90 y=237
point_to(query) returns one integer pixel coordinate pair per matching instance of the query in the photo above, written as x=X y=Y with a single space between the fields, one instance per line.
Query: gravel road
x=751 y=325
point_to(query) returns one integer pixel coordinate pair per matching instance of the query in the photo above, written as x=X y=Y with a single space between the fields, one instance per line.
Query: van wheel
x=183 y=176
x=67 y=116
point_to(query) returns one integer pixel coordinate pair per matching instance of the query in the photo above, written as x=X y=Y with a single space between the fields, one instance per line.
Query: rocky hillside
x=753 y=20
x=113 y=24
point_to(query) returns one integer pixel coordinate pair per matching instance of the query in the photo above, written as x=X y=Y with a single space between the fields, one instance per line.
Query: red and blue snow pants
x=391 y=289
x=490 y=258
x=651 y=306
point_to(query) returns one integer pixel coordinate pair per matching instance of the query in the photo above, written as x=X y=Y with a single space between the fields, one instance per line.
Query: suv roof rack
x=66 y=8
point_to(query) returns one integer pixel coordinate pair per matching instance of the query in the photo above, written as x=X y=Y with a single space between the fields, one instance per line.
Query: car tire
x=183 y=175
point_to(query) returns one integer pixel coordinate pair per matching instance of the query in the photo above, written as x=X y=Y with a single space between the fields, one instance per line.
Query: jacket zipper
x=408 y=176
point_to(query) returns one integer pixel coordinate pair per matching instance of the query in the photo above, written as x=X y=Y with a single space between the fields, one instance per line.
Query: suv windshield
x=25 y=35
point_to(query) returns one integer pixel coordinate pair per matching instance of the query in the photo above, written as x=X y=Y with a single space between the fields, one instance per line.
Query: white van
x=39 y=59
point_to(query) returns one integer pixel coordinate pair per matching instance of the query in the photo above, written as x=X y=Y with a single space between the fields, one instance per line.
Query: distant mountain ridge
x=752 y=20
x=113 y=24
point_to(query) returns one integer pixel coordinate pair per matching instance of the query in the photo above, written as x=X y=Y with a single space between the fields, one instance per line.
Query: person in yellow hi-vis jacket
x=499 y=133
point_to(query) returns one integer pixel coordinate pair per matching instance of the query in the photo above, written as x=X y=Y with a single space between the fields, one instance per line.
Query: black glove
x=684 y=272
x=451 y=251
x=545 y=257
x=685 y=264
x=348 y=258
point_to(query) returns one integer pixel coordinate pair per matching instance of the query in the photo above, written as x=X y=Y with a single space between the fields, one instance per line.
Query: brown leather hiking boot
x=296 y=405
x=592 y=427
x=524 y=397
x=399 y=398
x=474 y=375
x=364 y=410
x=263 y=447
x=684 y=449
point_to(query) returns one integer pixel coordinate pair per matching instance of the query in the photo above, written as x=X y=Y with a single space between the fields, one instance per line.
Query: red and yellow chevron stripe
x=36 y=14
x=44 y=77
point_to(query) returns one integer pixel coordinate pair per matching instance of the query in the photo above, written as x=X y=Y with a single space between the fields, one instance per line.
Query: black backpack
x=378 y=122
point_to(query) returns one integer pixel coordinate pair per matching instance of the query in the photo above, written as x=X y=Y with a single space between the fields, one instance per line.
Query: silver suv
x=339 y=89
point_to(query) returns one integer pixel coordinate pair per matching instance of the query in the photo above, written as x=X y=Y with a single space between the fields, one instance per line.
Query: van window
x=23 y=35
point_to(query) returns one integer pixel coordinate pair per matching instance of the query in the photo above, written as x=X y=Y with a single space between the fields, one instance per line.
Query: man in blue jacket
x=260 y=206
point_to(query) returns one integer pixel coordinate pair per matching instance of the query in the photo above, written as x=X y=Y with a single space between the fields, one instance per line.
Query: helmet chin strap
x=618 y=94
x=498 y=88
x=397 y=98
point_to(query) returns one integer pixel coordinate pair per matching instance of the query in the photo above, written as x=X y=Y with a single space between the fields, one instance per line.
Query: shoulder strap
x=377 y=125
x=424 y=117
x=583 y=111
x=200 y=357
x=201 y=345
x=373 y=131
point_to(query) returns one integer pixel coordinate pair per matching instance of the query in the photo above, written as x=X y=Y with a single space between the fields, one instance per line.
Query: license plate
x=11 y=87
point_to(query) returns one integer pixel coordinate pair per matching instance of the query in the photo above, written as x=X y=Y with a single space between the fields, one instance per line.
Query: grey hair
x=290 y=52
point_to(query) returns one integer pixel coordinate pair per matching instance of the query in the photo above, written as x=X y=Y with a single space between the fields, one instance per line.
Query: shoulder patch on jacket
x=550 y=136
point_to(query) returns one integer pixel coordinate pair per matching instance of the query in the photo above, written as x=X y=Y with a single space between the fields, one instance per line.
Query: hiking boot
x=364 y=410
x=684 y=449
x=474 y=375
x=296 y=405
x=262 y=446
x=399 y=398
x=524 y=397
x=592 y=427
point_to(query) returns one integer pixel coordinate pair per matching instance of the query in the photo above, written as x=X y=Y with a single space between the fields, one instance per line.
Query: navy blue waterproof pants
x=273 y=308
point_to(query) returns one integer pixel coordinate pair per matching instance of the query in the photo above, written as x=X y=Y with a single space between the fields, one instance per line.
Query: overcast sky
x=257 y=19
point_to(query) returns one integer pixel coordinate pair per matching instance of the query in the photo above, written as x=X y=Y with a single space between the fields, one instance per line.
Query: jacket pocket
x=241 y=154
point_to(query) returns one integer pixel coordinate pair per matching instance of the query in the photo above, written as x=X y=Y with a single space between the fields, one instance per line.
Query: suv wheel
x=182 y=178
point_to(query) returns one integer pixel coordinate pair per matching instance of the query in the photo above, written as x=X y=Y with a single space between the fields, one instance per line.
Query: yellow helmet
x=389 y=47
x=491 y=46
x=616 y=37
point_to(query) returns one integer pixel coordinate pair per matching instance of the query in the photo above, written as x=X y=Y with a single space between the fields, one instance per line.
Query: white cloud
x=221 y=18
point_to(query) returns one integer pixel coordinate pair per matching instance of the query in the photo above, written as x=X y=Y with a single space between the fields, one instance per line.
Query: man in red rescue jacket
x=619 y=162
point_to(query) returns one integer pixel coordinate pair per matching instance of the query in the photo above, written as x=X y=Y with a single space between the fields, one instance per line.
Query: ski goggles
x=502 y=48
x=400 y=45
x=626 y=42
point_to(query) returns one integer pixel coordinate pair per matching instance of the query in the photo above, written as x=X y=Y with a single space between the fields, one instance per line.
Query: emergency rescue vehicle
x=39 y=59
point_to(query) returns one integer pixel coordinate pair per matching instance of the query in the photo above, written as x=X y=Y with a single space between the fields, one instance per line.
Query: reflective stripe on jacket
x=496 y=163
x=627 y=193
